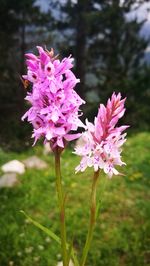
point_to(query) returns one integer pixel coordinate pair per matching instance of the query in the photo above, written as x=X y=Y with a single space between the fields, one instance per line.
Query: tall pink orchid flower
x=54 y=111
x=103 y=139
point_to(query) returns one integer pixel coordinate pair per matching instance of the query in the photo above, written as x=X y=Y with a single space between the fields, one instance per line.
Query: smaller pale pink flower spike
x=103 y=139
x=55 y=106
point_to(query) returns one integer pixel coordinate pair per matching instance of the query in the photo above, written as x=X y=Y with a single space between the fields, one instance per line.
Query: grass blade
x=53 y=236
x=43 y=228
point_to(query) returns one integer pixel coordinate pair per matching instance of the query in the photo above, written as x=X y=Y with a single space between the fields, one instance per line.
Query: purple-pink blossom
x=102 y=141
x=54 y=111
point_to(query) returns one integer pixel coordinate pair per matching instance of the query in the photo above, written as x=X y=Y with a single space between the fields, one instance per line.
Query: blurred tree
x=107 y=44
x=19 y=22
x=117 y=41
x=71 y=22
x=117 y=55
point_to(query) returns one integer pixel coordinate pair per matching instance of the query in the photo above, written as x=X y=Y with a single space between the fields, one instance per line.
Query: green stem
x=92 y=219
x=61 y=201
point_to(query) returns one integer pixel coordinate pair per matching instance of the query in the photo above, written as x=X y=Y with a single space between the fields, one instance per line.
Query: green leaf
x=75 y=260
x=71 y=253
x=43 y=228
x=53 y=236
x=70 y=249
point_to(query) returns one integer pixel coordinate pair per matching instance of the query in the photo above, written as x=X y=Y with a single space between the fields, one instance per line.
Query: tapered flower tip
x=103 y=139
x=31 y=56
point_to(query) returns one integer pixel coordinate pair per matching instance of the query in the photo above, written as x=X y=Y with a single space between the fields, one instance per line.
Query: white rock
x=35 y=162
x=60 y=263
x=8 y=180
x=14 y=166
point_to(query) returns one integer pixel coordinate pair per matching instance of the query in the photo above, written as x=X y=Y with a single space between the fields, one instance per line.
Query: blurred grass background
x=122 y=231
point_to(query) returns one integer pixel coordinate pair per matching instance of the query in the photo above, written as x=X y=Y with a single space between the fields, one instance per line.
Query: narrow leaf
x=74 y=257
x=43 y=228
x=52 y=235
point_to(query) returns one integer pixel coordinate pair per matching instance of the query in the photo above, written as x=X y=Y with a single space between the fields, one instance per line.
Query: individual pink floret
x=54 y=111
x=102 y=140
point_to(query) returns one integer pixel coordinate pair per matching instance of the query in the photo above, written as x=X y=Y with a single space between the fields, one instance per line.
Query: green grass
x=121 y=234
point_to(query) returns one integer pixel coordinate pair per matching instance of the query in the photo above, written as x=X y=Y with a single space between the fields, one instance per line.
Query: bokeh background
x=110 y=41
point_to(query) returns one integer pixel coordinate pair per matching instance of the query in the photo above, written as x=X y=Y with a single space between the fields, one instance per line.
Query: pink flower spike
x=102 y=140
x=55 y=106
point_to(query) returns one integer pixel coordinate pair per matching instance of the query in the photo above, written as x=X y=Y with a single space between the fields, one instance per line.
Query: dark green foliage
x=19 y=22
x=120 y=62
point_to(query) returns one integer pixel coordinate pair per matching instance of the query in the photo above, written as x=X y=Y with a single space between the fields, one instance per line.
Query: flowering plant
x=55 y=104
x=103 y=140
x=54 y=114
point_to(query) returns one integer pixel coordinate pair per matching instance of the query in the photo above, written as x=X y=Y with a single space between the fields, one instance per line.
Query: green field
x=121 y=234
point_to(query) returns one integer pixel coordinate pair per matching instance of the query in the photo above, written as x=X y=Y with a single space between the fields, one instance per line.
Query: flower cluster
x=54 y=111
x=102 y=140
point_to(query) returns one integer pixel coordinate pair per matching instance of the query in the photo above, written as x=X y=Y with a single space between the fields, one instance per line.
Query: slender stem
x=61 y=201
x=92 y=219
